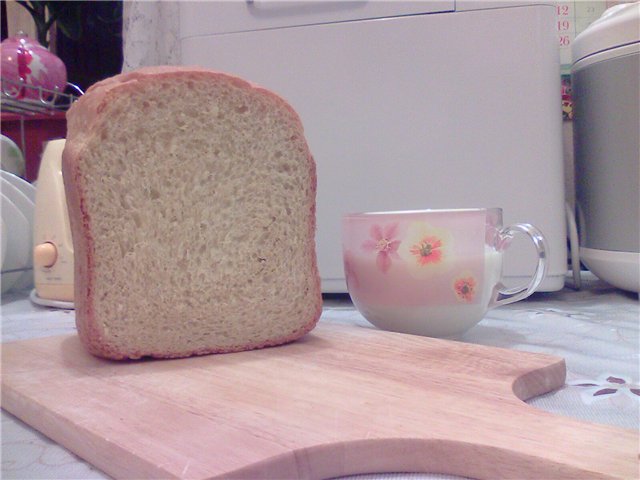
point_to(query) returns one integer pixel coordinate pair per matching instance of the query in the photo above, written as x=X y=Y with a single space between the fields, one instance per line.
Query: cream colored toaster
x=52 y=244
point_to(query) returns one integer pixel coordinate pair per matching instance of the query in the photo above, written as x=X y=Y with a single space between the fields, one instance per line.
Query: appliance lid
x=618 y=26
x=216 y=18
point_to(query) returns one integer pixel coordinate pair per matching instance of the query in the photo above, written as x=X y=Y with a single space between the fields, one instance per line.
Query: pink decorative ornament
x=26 y=62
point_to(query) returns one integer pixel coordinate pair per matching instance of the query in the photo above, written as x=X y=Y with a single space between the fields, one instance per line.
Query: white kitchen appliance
x=52 y=244
x=606 y=93
x=408 y=105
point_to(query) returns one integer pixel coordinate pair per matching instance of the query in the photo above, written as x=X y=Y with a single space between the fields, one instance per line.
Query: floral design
x=384 y=243
x=427 y=250
x=24 y=58
x=606 y=386
x=465 y=288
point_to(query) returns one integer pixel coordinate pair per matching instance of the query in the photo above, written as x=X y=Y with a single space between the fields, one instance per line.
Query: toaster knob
x=45 y=255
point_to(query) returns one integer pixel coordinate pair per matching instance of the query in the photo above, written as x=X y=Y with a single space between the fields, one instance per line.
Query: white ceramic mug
x=432 y=272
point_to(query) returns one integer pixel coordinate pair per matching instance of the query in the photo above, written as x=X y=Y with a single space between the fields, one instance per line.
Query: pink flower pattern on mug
x=384 y=244
x=465 y=288
x=428 y=250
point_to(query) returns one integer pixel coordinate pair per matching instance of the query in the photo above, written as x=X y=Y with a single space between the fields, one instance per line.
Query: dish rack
x=32 y=116
x=23 y=99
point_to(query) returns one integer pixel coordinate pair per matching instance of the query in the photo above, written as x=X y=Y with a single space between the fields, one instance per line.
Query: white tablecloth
x=595 y=329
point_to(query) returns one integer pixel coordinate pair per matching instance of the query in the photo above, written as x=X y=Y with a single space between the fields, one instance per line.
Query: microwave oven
x=408 y=105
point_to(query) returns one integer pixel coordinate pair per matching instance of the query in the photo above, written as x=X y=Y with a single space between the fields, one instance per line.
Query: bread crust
x=83 y=119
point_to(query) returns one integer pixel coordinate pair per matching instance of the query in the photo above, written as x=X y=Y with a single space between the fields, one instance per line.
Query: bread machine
x=606 y=91
x=52 y=244
x=408 y=105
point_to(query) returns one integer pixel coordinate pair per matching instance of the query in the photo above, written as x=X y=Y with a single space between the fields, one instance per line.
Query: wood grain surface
x=342 y=400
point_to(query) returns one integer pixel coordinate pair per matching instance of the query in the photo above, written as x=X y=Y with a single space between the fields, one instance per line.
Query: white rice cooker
x=606 y=87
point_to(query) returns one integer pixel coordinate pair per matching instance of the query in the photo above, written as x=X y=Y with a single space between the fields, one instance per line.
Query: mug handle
x=504 y=295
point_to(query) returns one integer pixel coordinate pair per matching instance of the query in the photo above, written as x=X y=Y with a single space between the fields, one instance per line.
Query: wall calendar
x=572 y=17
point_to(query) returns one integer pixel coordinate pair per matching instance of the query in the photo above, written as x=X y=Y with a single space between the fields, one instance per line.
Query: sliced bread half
x=191 y=199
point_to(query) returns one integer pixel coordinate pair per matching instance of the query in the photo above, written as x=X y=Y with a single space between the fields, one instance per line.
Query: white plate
x=25 y=187
x=11 y=158
x=27 y=208
x=4 y=232
x=19 y=199
x=18 y=245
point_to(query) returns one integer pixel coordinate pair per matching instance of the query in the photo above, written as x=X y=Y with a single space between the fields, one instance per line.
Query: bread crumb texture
x=200 y=194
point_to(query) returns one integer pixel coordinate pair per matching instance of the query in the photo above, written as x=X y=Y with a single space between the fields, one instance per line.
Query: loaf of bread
x=191 y=199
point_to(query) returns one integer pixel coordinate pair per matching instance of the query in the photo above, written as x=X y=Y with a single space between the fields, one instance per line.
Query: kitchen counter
x=595 y=329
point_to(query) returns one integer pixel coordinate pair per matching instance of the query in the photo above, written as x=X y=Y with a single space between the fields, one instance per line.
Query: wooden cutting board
x=342 y=400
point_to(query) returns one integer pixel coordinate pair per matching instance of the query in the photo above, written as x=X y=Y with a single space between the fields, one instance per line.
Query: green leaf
x=68 y=17
x=66 y=14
